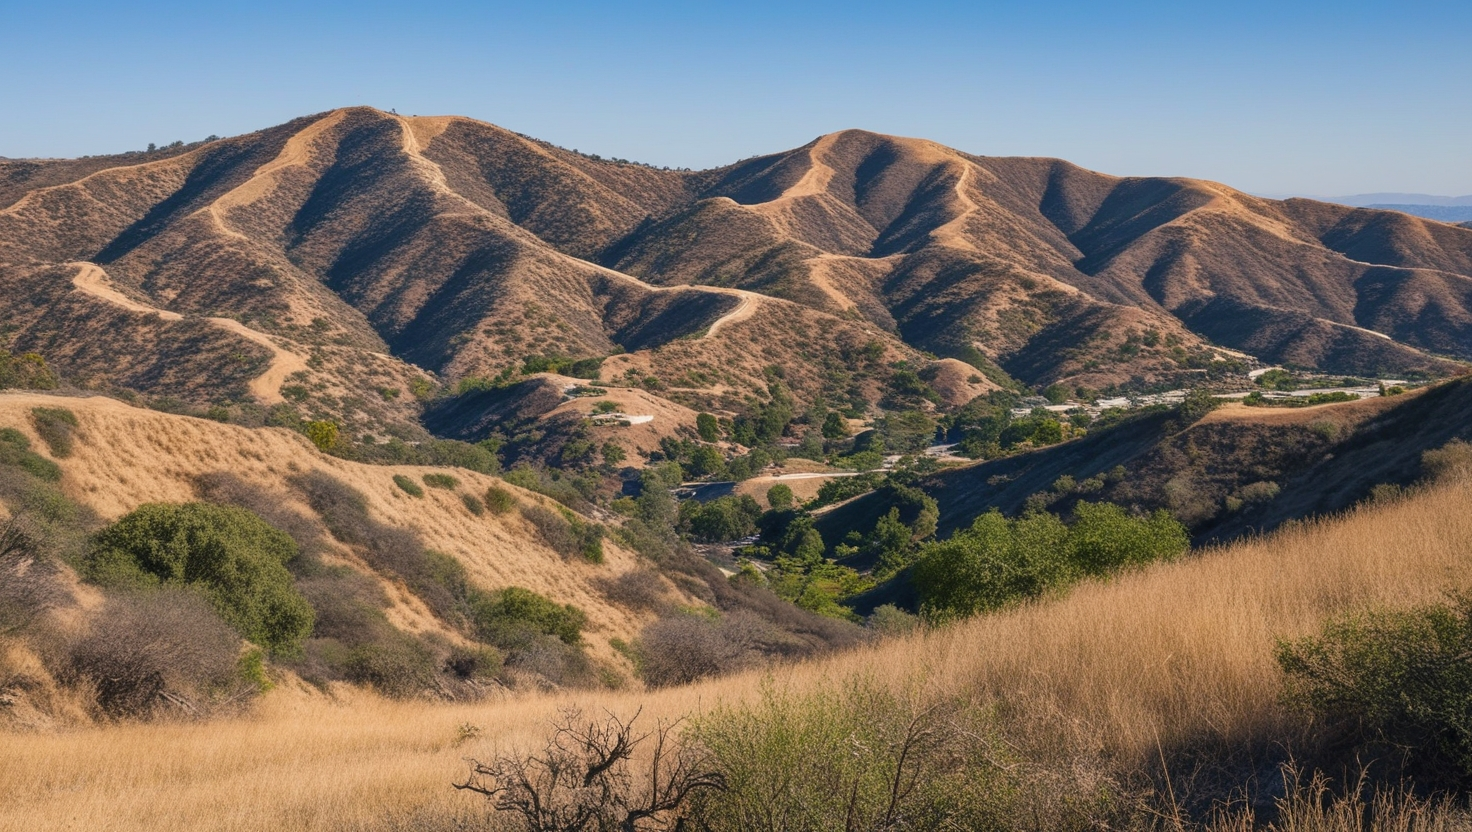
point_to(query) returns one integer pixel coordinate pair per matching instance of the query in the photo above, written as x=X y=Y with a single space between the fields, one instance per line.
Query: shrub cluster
x=27 y=371
x=55 y=425
x=232 y=555
x=1389 y=680
x=998 y=560
x=719 y=520
x=566 y=534
x=15 y=450
x=408 y=486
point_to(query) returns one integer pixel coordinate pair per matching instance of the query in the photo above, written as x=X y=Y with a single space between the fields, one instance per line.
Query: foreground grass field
x=1173 y=663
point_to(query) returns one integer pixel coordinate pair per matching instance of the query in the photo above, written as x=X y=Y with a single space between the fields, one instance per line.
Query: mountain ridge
x=392 y=252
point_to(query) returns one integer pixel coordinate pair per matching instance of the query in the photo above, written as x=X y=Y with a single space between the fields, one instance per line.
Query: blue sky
x=1283 y=97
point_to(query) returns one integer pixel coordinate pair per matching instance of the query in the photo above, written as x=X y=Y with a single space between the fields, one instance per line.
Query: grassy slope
x=1124 y=671
x=126 y=456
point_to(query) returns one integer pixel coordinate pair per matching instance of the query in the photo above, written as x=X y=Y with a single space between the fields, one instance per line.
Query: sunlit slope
x=1175 y=657
x=127 y=456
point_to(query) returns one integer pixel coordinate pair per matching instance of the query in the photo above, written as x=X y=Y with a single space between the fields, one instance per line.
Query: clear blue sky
x=1272 y=97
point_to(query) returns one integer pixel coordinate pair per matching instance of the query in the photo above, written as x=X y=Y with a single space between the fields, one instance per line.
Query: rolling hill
x=363 y=261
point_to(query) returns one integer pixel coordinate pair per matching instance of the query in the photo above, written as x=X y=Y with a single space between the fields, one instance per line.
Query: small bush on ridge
x=408 y=486
x=55 y=426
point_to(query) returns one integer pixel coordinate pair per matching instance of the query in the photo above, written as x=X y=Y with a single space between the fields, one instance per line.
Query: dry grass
x=126 y=456
x=1161 y=658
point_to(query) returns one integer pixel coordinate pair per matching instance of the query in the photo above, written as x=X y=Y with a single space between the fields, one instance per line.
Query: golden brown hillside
x=126 y=456
x=371 y=261
x=1092 y=691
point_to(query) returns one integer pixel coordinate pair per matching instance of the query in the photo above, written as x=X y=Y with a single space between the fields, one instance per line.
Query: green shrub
x=441 y=481
x=324 y=434
x=55 y=425
x=499 y=500
x=232 y=554
x=473 y=504
x=779 y=496
x=408 y=486
x=15 y=450
x=1104 y=538
x=27 y=371
x=1392 y=679
x=859 y=757
x=708 y=427
x=998 y=561
x=500 y=617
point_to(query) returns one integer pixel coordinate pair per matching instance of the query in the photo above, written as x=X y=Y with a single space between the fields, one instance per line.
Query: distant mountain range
x=1374 y=200
x=1453 y=209
x=348 y=256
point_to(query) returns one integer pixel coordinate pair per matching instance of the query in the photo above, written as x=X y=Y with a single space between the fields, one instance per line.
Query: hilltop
x=371 y=262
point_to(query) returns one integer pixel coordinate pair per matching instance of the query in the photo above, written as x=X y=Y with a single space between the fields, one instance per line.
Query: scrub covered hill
x=352 y=265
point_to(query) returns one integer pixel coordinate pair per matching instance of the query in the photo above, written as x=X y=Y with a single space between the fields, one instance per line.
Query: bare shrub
x=637 y=589
x=1454 y=459
x=555 y=531
x=587 y=778
x=1310 y=805
x=1258 y=492
x=29 y=582
x=552 y=660
x=157 y=651
x=684 y=648
x=397 y=665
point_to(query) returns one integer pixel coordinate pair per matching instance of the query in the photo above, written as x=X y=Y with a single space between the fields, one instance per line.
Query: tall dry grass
x=1172 y=656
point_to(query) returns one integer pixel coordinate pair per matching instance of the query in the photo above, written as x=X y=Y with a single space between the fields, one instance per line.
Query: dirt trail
x=92 y=280
x=952 y=232
x=267 y=386
x=296 y=152
x=749 y=301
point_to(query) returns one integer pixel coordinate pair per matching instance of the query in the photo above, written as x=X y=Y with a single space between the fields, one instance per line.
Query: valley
x=338 y=455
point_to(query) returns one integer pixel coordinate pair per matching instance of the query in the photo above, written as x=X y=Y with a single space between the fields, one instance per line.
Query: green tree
x=1049 y=432
x=835 y=426
x=613 y=453
x=707 y=461
x=237 y=558
x=779 y=496
x=1056 y=394
x=708 y=427
x=1105 y=538
x=721 y=519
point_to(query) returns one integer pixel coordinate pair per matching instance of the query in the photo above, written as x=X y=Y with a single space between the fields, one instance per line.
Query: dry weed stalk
x=584 y=779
